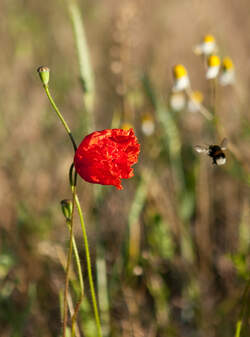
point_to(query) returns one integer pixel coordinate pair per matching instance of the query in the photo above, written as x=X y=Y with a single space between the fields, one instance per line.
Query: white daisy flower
x=227 y=75
x=147 y=125
x=194 y=102
x=181 y=80
x=207 y=47
x=213 y=69
x=177 y=100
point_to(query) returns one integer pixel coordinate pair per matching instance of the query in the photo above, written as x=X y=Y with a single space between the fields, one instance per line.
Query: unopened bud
x=43 y=72
x=67 y=206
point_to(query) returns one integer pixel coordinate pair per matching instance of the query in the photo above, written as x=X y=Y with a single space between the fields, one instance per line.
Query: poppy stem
x=73 y=182
x=71 y=243
x=60 y=116
x=65 y=308
x=89 y=268
x=78 y=263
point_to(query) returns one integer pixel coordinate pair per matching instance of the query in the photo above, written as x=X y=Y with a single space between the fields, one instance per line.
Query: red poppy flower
x=105 y=157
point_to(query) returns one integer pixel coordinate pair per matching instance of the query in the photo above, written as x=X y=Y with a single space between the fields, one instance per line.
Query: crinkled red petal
x=105 y=157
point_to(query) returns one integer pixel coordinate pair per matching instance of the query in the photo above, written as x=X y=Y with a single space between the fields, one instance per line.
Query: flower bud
x=43 y=72
x=67 y=206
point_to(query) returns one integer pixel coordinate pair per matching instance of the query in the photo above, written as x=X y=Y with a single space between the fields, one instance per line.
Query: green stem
x=238 y=328
x=78 y=264
x=243 y=309
x=73 y=182
x=75 y=315
x=85 y=68
x=65 y=309
x=214 y=97
x=75 y=200
x=79 y=271
x=60 y=116
x=89 y=269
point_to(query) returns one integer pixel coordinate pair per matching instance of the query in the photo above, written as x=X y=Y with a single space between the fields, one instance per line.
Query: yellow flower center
x=209 y=38
x=126 y=126
x=213 y=61
x=179 y=71
x=227 y=64
x=147 y=118
x=197 y=96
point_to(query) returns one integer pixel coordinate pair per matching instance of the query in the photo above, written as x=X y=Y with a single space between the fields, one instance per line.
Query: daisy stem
x=60 y=116
x=89 y=268
x=214 y=95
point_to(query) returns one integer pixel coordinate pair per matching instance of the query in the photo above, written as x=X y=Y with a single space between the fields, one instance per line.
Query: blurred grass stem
x=102 y=283
x=85 y=68
x=134 y=220
x=243 y=309
x=238 y=328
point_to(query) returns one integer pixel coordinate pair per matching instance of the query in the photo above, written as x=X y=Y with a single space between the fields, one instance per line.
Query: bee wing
x=201 y=149
x=223 y=144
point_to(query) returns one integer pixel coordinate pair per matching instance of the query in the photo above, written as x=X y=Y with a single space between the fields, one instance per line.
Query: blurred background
x=170 y=252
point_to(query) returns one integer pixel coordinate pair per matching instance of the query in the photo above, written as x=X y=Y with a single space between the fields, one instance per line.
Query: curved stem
x=75 y=201
x=89 y=269
x=60 y=116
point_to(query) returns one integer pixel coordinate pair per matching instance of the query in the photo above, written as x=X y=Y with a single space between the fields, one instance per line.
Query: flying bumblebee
x=214 y=151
